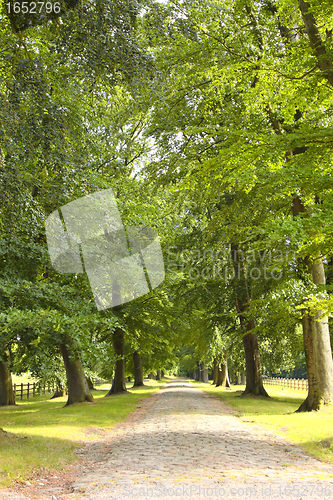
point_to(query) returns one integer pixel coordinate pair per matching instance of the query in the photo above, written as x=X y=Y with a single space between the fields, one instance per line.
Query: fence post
x=21 y=392
x=34 y=389
x=28 y=390
x=14 y=393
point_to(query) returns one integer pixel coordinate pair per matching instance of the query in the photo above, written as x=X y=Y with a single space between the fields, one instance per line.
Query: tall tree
x=232 y=79
x=51 y=74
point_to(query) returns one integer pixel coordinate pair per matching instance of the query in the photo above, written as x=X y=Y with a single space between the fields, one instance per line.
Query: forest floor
x=182 y=443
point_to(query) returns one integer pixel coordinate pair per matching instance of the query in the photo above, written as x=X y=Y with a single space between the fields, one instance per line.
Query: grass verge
x=312 y=431
x=41 y=434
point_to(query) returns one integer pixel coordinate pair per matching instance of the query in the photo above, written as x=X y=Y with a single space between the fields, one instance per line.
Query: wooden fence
x=292 y=383
x=30 y=390
x=33 y=389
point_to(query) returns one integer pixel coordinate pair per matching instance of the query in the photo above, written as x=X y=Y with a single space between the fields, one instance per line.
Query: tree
x=51 y=73
x=6 y=387
x=118 y=383
x=138 y=372
x=78 y=390
x=233 y=116
x=315 y=327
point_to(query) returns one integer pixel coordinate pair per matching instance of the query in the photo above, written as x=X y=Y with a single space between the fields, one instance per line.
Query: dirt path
x=184 y=444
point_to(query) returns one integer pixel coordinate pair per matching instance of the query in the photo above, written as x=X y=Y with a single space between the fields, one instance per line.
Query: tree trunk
x=318 y=352
x=215 y=372
x=198 y=378
x=78 y=390
x=138 y=372
x=227 y=381
x=6 y=386
x=60 y=391
x=90 y=384
x=222 y=378
x=158 y=375
x=316 y=338
x=205 y=375
x=324 y=61
x=118 y=384
x=221 y=373
x=254 y=384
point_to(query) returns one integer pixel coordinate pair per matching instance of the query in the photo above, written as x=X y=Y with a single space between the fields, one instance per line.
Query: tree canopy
x=212 y=123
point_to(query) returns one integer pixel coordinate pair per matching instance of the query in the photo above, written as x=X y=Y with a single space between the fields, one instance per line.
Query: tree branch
x=316 y=43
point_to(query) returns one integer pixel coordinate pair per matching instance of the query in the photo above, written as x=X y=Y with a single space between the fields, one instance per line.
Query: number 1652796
x=33 y=7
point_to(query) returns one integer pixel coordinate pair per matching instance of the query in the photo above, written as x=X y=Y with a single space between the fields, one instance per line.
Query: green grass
x=312 y=431
x=41 y=433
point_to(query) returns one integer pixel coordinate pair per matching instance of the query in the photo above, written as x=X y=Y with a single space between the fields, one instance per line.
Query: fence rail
x=33 y=389
x=30 y=390
x=293 y=383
